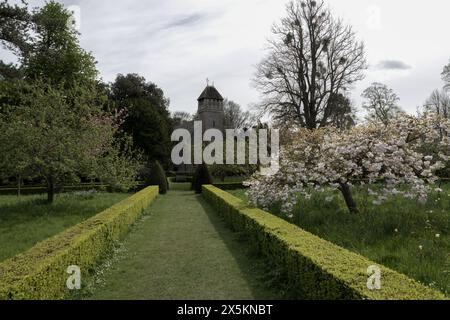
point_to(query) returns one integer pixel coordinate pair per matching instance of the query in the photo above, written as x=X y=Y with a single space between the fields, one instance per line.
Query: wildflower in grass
x=438 y=235
x=420 y=247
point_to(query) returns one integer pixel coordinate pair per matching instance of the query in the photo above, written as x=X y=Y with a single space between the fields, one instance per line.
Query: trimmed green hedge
x=229 y=185
x=316 y=268
x=40 y=273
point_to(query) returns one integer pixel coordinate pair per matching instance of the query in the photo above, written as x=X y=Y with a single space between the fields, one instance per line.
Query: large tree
x=312 y=57
x=148 y=118
x=47 y=135
x=446 y=76
x=56 y=55
x=381 y=103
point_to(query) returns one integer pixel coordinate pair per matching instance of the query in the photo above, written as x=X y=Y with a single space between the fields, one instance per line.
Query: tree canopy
x=313 y=56
x=381 y=103
x=148 y=118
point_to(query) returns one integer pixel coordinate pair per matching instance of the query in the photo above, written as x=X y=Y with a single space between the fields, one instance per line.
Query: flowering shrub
x=402 y=157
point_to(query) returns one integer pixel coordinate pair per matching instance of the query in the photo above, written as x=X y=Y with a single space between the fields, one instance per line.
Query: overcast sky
x=179 y=43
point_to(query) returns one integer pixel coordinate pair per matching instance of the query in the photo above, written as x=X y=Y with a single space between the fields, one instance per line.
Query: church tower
x=211 y=110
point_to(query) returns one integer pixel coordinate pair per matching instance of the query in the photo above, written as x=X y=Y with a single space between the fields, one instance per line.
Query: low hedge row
x=229 y=185
x=31 y=190
x=316 y=268
x=41 y=272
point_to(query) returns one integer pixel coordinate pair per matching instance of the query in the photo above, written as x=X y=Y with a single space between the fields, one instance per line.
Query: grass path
x=182 y=250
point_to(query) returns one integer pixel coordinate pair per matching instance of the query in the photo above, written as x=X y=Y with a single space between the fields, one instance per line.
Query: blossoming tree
x=401 y=158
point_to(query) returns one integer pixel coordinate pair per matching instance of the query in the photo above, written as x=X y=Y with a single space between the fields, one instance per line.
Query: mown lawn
x=27 y=220
x=408 y=236
x=181 y=249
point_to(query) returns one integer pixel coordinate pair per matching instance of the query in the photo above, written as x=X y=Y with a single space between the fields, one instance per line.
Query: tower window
x=214 y=124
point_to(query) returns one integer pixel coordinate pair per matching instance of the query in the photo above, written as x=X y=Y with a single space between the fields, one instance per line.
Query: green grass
x=27 y=220
x=181 y=249
x=401 y=233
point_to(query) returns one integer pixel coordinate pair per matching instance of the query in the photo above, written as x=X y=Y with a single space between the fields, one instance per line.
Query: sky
x=178 y=44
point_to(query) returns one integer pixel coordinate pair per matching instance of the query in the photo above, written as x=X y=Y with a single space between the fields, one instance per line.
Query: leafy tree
x=396 y=157
x=312 y=57
x=201 y=177
x=157 y=177
x=47 y=136
x=381 y=103
x=148 y=118
x=56 y=55
x=15 y=24
x=180 y=118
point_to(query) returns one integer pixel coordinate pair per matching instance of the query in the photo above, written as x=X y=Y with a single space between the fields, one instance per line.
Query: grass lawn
x=408 y=236
x=27 y=220
x=181 y=249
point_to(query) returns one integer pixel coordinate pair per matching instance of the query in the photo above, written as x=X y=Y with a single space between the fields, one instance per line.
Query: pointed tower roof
x=210 y=92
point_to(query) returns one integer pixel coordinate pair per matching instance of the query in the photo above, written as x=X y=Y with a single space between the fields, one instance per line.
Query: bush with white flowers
x=400 y=158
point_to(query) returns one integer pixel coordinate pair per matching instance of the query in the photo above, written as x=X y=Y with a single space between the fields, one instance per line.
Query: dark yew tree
x=312 y=56
x=148 y=119
x=57 y=56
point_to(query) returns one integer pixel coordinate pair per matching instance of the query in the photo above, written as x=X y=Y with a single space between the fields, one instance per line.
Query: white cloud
x=179 y=43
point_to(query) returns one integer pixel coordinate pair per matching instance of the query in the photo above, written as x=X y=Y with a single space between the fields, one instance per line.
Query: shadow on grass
x=266 y=280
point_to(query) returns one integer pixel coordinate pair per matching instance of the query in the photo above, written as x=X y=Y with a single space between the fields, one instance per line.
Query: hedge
x=31 y=190
x=40 y=273
x=315 y=268
x=229 y=185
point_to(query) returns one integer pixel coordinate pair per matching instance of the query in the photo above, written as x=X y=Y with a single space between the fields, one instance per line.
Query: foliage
x=446 y=76
x=15 y=24
x=57 y=56
x=398 y=156
x=41 y=272
x=53 y=133
x=148 y=118
x=343 y=115
x=381 y=103
x=317 y=268
x=157 y=177
x=312 y=57
x=235 y=117
x=439 y=102
x=201 y=177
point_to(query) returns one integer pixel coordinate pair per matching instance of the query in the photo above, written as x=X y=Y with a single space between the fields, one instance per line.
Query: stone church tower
x=211 y=109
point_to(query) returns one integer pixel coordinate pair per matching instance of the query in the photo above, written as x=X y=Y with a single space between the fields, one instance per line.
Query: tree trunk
x=50 y=190
x=347 y=193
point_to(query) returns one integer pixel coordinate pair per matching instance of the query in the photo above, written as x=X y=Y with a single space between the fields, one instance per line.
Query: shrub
x=201 y=177
x=157 y=177
x=41 y=272
x=315 y=268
